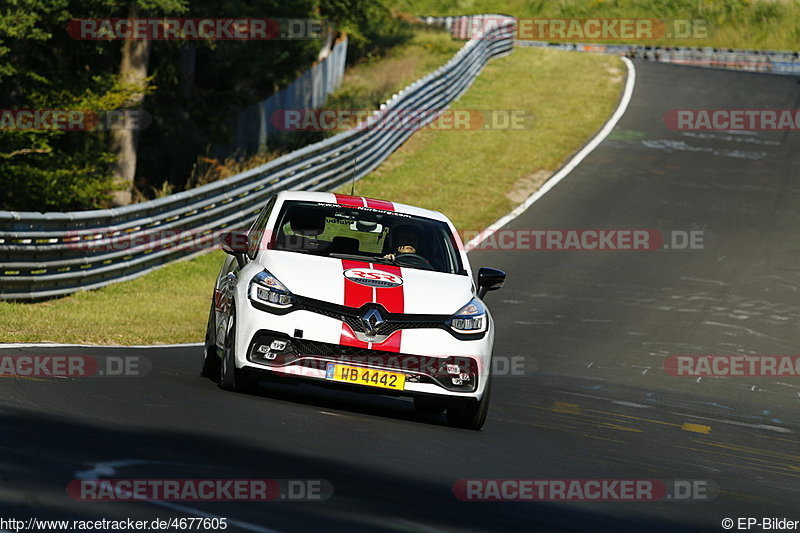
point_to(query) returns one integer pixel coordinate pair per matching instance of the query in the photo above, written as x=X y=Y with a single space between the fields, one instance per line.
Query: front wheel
x=230 y=377
x=473 y=414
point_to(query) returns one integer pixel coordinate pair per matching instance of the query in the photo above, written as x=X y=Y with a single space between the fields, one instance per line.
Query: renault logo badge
x=371 y=321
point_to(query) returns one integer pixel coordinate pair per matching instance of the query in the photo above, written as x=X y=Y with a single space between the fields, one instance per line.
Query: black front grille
x=301 y=347
x=352 y=317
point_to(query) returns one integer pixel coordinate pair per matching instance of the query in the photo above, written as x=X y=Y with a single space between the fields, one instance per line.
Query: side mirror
x=489 y=279
x=235 y=243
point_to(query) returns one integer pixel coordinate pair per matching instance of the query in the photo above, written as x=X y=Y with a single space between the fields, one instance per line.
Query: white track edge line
x=66 y=345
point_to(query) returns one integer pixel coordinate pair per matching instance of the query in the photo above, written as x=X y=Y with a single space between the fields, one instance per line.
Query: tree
x=193 y=90
x=43 y=68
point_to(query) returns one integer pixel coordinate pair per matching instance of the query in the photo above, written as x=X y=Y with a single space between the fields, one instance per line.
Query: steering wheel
x=415 y=259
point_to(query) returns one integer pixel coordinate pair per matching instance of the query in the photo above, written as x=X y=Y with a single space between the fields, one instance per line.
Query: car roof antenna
x=355 y=169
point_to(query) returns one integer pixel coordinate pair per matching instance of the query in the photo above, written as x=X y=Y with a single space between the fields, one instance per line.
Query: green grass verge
x=755 y=24
x=473 y=176
x=169 y=305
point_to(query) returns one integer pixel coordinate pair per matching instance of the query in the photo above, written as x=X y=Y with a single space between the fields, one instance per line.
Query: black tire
x=230 y=377
x=211 y=361
x=428 y=406
x=471 y=415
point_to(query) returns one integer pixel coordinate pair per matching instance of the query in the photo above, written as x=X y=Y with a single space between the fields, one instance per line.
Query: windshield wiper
x=365 y=258
x=386 y=260
x=355 y=257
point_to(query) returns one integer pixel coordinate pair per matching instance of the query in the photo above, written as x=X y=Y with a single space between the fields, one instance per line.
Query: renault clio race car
x=355 y=292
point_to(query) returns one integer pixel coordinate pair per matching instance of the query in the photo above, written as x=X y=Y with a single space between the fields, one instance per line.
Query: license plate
x=365 y=376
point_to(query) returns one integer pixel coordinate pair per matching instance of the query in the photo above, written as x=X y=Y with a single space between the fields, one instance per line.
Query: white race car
x=354 y=292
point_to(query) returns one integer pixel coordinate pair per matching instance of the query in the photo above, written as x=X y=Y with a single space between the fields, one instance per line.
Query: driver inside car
x=405 y=240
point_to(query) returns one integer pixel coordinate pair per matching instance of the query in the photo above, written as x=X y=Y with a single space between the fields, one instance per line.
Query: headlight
x=469 y=319
x=266 y=289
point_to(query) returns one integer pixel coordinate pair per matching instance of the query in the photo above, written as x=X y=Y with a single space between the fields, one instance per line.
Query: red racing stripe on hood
x=391 y=344
x=391 y=298
x=360 y=201
x=352 y=201
x=355 y=295
x=348 y=338
x=380 y=204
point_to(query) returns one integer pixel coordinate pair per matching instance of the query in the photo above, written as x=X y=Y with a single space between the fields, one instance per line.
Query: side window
x=257 y=231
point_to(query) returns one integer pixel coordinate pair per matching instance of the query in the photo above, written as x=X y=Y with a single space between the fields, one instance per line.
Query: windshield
x=367 y=234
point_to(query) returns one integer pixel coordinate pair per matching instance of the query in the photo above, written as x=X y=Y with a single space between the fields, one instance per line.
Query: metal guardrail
x=471 y=26
x=44 y=255
x=765 y=61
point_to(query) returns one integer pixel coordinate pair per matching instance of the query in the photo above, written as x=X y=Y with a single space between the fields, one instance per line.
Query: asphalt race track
x=592 y=330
